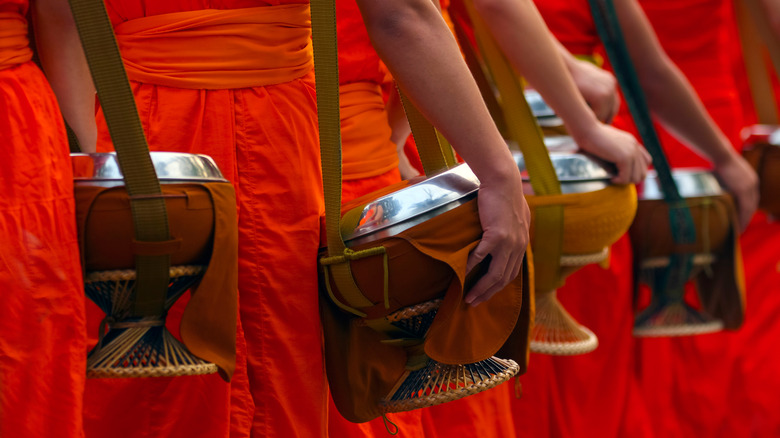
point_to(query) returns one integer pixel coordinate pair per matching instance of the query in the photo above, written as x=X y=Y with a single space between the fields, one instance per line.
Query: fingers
x=633 y=169
x=478 y=254
x=504 y=267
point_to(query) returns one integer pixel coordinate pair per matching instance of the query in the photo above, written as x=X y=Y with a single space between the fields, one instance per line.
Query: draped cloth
x=264 y=139
x=42 y=329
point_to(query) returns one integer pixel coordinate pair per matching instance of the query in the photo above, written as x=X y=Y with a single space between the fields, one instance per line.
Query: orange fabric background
x=42 y=347
x=264 y=139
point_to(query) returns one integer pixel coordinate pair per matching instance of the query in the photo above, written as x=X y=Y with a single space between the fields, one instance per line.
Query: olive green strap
x=753 y=28
x=116 y=98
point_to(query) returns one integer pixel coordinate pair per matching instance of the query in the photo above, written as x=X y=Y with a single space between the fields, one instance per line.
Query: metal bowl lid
x=545 y=115
x=422 y=199
x=774 y=137
x=691 y=183
x=170 y=166
x=578 y=172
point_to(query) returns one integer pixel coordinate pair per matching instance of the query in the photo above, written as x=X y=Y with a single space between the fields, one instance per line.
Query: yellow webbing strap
x=425 y=138
x=753 y=28
x=150 y=216
x=521 y=124
x=446 y=149
x=323 y=22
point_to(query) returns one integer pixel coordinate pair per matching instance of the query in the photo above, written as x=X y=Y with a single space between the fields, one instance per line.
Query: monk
x=746 y=372
x=755 y=380
x=562 y=392
x=247 y=99
x=533 y=53
x=42 y=331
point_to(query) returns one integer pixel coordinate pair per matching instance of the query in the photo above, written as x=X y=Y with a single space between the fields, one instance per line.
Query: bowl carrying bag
x=144 y=244
x=678 y=235
x=398 y=335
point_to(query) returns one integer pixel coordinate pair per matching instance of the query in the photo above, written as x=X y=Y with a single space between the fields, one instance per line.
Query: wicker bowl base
x=438 y=383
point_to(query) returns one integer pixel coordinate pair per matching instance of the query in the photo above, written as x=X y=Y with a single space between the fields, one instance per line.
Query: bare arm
x=421 y=53
x=676 y=105
x=772 y=9
x=66 y=68
x=399 y=126
x=597 y=86
x=531 y=49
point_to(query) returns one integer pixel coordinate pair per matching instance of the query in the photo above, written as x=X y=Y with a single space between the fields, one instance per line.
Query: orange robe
x=370 y=161
x=246 y=98
x=42 y=328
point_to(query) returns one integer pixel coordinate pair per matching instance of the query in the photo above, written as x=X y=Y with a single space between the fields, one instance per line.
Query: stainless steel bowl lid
x=170 y=166
x=774 y=137
x=691 y=183
x=545 y=115
x=411 y=205
x=577 y=172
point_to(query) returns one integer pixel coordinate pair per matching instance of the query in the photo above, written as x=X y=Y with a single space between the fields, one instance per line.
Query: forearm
x=670 y=96
x=772 y=9
x=675 y=104
x=532 y=50
x=63 y=61
x=421 y=53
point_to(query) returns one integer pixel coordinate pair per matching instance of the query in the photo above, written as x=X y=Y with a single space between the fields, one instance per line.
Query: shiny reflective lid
x=423 y=199
x=577 y=171
x=545 y=116
x=691 y=183
x=103 y=168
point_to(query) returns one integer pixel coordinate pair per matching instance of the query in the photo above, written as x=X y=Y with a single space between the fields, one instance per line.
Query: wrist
x=723 y=155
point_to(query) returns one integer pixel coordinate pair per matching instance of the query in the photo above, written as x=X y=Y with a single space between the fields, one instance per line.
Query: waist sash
x=365 y=132
x=218 y=49
x=14 y=44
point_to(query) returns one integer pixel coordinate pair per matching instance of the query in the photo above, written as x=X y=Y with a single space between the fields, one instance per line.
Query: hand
x=404 y=166
x=505 y=219
x=736 y=175
x=599 y=89
x=618 y=147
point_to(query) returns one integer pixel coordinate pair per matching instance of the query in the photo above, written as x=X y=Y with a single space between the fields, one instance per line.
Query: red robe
x=756 y=381
x=42 y=329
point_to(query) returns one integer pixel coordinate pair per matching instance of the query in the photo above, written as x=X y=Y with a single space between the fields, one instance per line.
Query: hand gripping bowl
x=414 y=342
x=595 y=214
x=201 y=215
x=712 y=262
